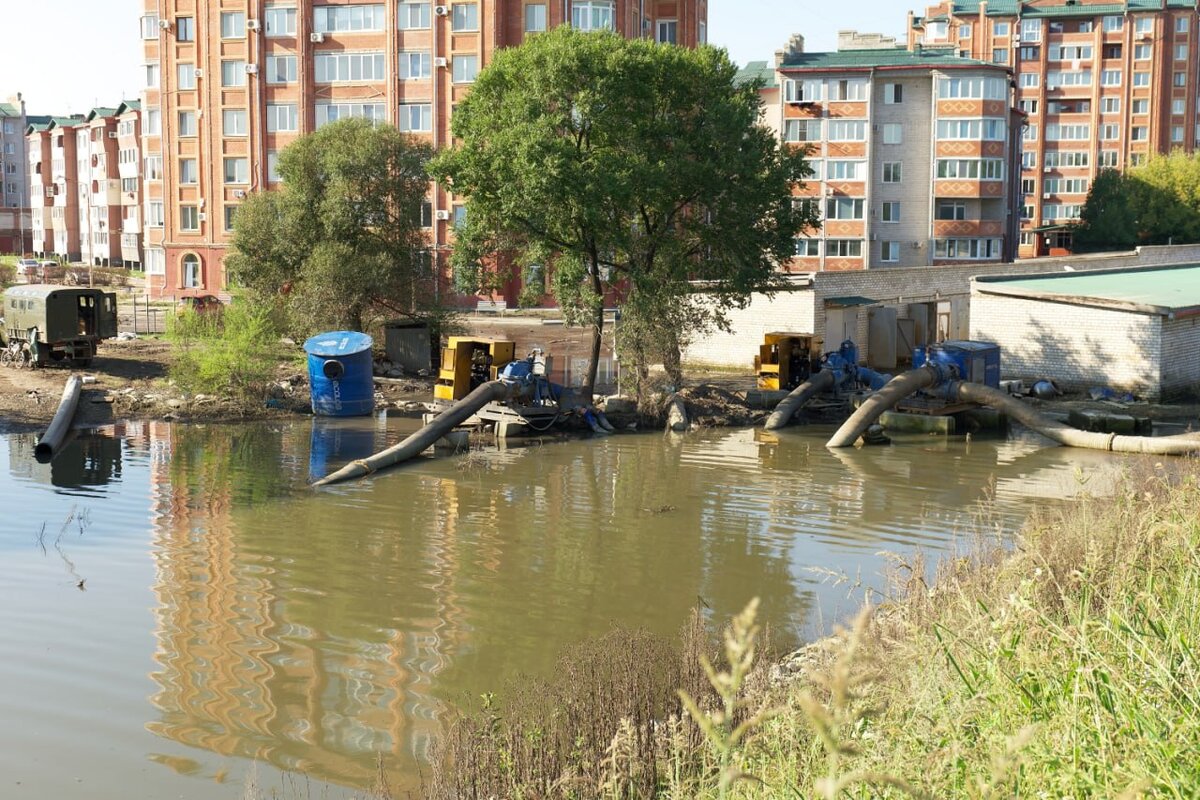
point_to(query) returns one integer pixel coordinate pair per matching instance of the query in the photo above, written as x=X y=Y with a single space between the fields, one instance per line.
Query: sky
x=92 y=53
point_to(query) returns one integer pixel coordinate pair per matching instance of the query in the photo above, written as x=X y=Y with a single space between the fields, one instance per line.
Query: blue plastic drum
x=339 y=372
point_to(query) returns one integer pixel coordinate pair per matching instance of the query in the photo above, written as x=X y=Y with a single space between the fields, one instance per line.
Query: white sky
x=67 y=56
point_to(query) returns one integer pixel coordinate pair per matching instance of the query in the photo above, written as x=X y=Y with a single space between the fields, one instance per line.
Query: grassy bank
x=1064 y=668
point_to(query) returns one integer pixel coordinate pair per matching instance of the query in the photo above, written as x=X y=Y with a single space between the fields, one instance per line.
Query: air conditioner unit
x=201 y=216
x=50 y=191
x=199 y=73
x=316 y=37
x=112 y=134
x=441 y=214
x=441 y=11
x=441 y=61
x=1046 y=196
x=252 y=69
x=239 y=193
x=1047 y=169
x=916 y=245
x=251 y=24
x=164 y=24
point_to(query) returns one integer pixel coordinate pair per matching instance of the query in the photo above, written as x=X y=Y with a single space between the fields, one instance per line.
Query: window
x=1056 y=211
x=273 y=167
x=592 y=15
x=1108 y=158
x=892 y=171
x=1137 y=159
x=936 y=31
x=803 y=91
x=189 y=220
x=802 y=130
x=668 y=31
x=416 y=117
x=848 y=89
x=988 y=169
x=843 y=248
x=1029 y=80
x=847 y=130
x=1181 y=24
x=889 y=252
x=233 y=25
x=154 y=213
x=1000 y=29
x=233 y=122
x=893 y=133
x=152 y=167
x=233 y=73
x=1065 y=186
x=808 y=248
x=702 y=33
x=1028 y=160
x=1178 y=105
x=280 y=21
x=1109 y=133
x=1144 y=25
x=535 y=18
x=1176 y=133
x=890 y=211
x=1059 y=78
x=964 y=31
x=281 y=69
x=1139 y=133
x=1110 y=105
x=1112 y=51
x=230 y=212
x=187 y=123
x=185 y=75
x=1110 y=77
x=1030 y=53
x=348 y=67
x=1141 y=79
x=844 y=208
x=1179 y=79
x=459 y=215
x=1141 y=106
x=1085 y=26
x=282 y=117
x=1031 y=30
x=837 y=170
x=465 y=69
x=987 y=129
x=1000 y=55
x=150 y=26
x=1141 y=52
x=190 y=267
x=237 y=170
x=151 y=76
x=951 y=210
x=348 y=19
x=413 y=16
x=967 y=249
x=331 y=112
x=1070 y=52
x=185 y=29
x=1072 y=133
x=427 y=214
x=464 y=17
x=1181 y=52
x=1113 y=23
x=1027 y=185
x=415 y=64
x=129 y=185
x=893 y=93
x=188 y=171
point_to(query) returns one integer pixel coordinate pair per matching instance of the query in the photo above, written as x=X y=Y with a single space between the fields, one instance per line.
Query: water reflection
x=315 y=630
x=86 y=460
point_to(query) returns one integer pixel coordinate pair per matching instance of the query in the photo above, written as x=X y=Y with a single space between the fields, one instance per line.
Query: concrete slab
x=897 y=422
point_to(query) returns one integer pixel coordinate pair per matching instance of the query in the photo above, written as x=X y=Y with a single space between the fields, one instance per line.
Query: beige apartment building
x=232 y=82
x=914 y=154
x=1103 y=84
x=14 y=204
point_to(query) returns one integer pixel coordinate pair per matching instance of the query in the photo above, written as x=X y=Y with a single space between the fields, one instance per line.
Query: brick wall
x=803 y=311
x=1077 y=346
x=1181 y=357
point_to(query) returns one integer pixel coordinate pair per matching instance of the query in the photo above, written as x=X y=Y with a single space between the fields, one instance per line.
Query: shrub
x=233 y=353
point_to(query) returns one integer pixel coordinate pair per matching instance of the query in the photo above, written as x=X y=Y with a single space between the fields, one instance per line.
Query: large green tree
x=1155 y=203
x=620 y=166
x=341 y=238
x=1109 y=218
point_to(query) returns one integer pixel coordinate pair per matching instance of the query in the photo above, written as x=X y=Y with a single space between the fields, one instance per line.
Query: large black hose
x=788 y=407
x=422 y=440
x=1181 y=444
x=873 y=407
x=52 y=439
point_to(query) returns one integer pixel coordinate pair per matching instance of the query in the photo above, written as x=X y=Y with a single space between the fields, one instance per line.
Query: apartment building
x=99 y=189
x=914 y=155
x=64 y=186
x=1103 y=84
x=231 y=83
x=41 y=186
x=14 y=214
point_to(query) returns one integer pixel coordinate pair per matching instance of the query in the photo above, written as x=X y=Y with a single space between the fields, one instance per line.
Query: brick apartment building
x=14 y=217
x=1104 y=84
x=230 y=83
x=85 y=186
x=915 y=154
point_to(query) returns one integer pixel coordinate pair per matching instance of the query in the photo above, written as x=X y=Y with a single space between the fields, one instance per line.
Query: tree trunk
x=589 y=384
x=672 y=356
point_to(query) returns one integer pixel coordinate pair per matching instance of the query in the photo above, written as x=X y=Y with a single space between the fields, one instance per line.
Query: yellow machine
x=466 y=363
x=785 y=360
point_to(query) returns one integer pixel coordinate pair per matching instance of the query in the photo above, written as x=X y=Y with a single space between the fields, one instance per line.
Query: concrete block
x=897 y=422
x=1104 y=422
x=620 y=405
x=985 y=419
x=454 y=441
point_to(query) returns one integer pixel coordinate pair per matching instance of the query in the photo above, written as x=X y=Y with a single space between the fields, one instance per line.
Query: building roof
x=101 y=111
x=1010 y=8
x=1166 y=291
x=9 y=110
x=129 y=105
x=757 y=69
x=898 y=57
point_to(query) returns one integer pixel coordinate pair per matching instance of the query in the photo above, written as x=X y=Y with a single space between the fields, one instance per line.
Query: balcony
x=948 y=228
x=965 y=187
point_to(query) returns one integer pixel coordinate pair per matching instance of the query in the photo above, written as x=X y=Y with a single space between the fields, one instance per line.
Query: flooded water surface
x=178 y=609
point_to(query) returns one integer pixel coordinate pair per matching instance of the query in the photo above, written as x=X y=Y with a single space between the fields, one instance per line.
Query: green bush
x=8 y=275
x=233 y=353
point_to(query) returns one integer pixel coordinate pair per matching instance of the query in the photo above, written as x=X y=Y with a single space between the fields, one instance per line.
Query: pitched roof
x=129 y=105
x=9 y=110
x=101 y=111
x=895 y=57
x=756 y=69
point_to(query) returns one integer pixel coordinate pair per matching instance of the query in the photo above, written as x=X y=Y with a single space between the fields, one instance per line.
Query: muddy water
x=177 y=610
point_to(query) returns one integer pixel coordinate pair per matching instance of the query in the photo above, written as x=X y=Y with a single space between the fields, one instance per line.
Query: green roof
x=129 y=105
x=1011 y=8
x=101 y=111
x=757 y=69
x=891 y=57
x=65 y=122
x=9 y=110
x=1157 y=290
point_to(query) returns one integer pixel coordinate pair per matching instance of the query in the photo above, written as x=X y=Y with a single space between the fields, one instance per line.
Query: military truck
x=45 y=324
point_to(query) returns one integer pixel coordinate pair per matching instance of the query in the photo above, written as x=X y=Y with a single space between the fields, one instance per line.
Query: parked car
x=49 y=271
x=27 y=268
x=202 y=304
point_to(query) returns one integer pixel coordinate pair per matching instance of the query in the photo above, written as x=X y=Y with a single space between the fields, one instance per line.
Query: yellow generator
x=466 y=363
x=785 y=360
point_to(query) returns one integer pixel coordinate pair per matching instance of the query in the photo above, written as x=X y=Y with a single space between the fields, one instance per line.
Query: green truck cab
x=45 y=323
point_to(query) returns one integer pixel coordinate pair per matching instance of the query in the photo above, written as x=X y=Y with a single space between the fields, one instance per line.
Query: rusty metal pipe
x=52 y=439
x=823 y=381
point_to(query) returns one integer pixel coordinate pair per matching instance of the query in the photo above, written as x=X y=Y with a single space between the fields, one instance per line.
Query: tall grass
x=233 y=353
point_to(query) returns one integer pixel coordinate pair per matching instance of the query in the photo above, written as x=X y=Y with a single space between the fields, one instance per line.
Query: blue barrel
x=339 y=374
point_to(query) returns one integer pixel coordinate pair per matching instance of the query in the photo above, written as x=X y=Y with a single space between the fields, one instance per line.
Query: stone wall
x=790 y=311
x=1181 y=357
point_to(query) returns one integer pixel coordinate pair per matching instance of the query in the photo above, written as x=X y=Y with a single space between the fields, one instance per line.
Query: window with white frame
x=890 y=211
x=1110 y=105
x=348 y=67
x=843 y=248
x=1144 y=24
x=416 y=117
x=1140 y=106
x=1068 y=133
x=1069 y=52
x=667 y=31
x=1058 y=78
x=237 y=170
x=280 y=21
x=152 y=124
x=847 y=130
x=190 y=265
x=185 y=76
x=1000 y=29
x=893 y=133
x=188 y=171
x=889 y=252
x=988 y=169
x=282 y=117
x=348 y=19
x=893 y=93
x=852 y=89
x=535 y=17
x=1113 y=23
x=415 y=64
x=893 y=171
x=841 y=170
x=1139 y=133
x=987 y=129
x=152 y=167
x=844 y=208
x=802 y=130
x=950 y=210
x=233 y=25
x=967 y=249
x=464 y=17
x=808 y=248
x=332 y=112
x=185 y=29
x=1110 y=132
x=1178 y=105
x=187 y=123
x=1029 y=80
x=281 y=69
x=1141 y=52
x=273 y=167
x=1031 y=30
x=466 y=68
x=152 y=76
x=803 y=91
x=592 y=15
x=701 y=33
x=233 y=122
x=1141 y=79
x=150 y=26
x=233 y=73
x=1181 y=24
x=412 y=16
